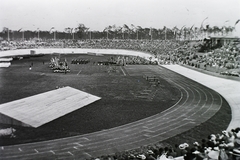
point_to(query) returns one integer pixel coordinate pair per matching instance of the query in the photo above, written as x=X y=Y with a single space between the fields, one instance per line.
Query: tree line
x=119 y=32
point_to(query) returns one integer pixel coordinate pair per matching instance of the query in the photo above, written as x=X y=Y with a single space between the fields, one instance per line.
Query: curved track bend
x=196 y=105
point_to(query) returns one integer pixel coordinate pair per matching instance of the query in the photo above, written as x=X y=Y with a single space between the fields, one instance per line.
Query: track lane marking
x=123 y=71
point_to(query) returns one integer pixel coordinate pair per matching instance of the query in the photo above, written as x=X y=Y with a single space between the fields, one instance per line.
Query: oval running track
x=196 y=105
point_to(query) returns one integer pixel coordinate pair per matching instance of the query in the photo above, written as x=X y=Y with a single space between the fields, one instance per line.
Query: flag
x=125 y=28
x=237 y=22
x=191 y=28
x=182 y=28
x=37 y=30
x=5 y=30
x=51 y=30
x=207 y=26
x=107 y=29
x=133 y=28
x=202 y=23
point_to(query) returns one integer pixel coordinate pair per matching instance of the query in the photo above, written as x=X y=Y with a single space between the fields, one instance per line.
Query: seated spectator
x=191 y=154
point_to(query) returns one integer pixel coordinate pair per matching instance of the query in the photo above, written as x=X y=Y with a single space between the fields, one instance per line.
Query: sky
x=98 y=14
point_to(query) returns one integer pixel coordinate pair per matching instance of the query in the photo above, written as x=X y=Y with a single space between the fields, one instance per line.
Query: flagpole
x=23 y=35
x=150 y=33
x=165 y=33
x=194 y=34
x=202 y=26
x=38 y=35
x=8 y=35
x=224 y=25
x=137 y=34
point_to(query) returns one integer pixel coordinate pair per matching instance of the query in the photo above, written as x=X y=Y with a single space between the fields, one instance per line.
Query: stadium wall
x=74 y=51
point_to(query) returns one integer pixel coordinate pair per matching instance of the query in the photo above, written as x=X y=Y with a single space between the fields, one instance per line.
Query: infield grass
x=125 y=98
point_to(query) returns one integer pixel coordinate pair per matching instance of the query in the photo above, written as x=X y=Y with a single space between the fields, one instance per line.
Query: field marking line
x=78 y=144
x=84 y=138
x=75 y=148
x=36 y=150
x=52 y=151
x=88 y=154
x=151 y=136
x=70 y=153
x=79 y=72
x=123 y=71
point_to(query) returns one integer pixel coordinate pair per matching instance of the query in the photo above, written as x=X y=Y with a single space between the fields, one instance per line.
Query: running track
x=196 y=105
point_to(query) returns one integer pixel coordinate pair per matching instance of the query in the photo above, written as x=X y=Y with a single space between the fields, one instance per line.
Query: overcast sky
x=98 y=14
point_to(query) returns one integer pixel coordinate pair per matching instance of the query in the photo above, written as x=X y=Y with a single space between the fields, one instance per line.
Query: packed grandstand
x=224 y=60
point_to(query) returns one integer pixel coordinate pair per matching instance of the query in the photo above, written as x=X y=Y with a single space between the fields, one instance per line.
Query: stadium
x=119 y=80
x=128 y=109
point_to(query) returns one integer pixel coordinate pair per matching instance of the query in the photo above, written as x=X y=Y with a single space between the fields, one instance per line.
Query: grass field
x=124 y=98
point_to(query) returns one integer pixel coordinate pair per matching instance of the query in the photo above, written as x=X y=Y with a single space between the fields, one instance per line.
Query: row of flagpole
x=52 y=30
x=54 y=37
x=165 y=33
x=23 y=34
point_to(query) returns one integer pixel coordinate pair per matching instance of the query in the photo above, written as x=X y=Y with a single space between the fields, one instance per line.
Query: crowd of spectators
x=167 y=52
x=225 y=57
x=222 y=146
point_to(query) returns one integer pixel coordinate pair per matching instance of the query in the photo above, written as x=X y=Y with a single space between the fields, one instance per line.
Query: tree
x=81 y=30
x=109 y=30
x=68 y=30
x=216 y=30
x=229 y=29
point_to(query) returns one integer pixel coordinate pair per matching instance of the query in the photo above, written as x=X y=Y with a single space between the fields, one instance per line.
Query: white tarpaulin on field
x=42 y=108
x=4 y=64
